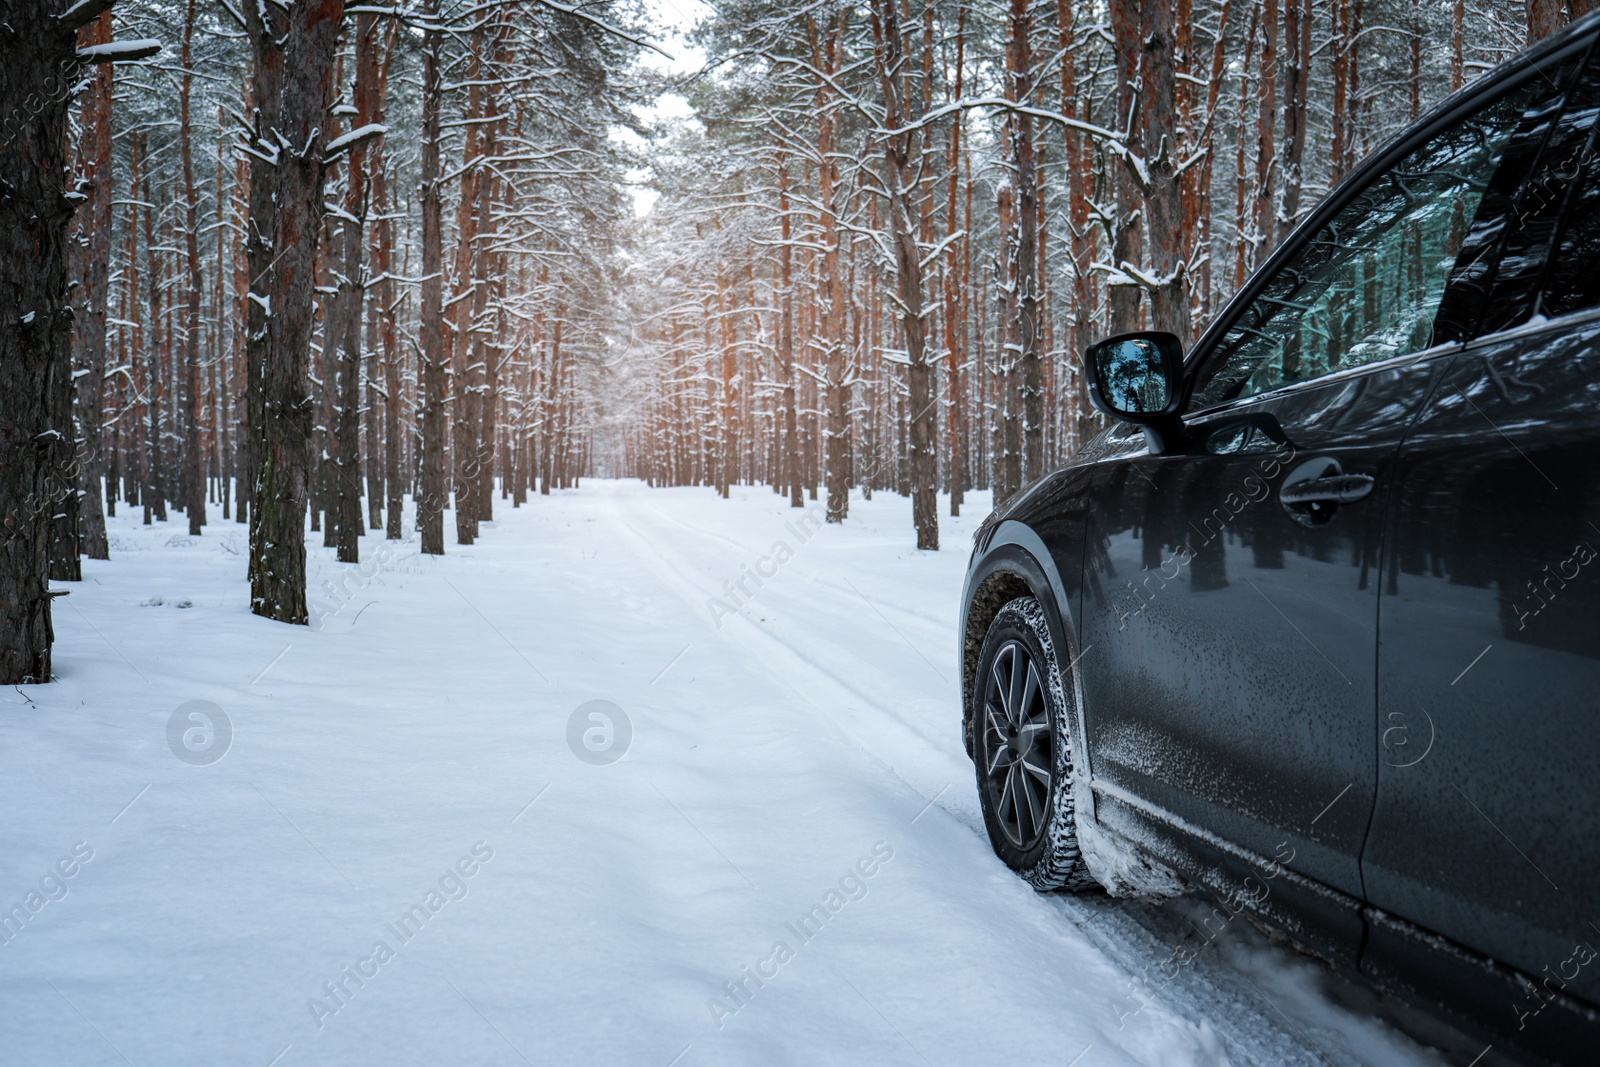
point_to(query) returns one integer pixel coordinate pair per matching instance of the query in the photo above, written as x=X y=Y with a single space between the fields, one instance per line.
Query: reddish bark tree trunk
x=1265 y=218
x=790 y=457
x=1163 y=202
x=465 y=386
x=93 y=247
x=277 y=528
x=1297 y=38
x=346 y=314
x=1544 y=18
x=260 y=233
x=1024 y=252
x=1126 y=244
x=384 y=294
x=954 y=290
x=825 y=50
x=431 y=501
x=902 y=164
x=194 y=482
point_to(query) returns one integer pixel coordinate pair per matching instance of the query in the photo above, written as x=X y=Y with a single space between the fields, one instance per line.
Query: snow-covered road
x=401 y=859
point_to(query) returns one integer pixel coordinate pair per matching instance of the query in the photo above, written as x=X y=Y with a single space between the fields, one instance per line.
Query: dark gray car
x=1316 y=626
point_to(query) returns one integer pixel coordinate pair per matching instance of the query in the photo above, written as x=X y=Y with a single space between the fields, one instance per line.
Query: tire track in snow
x=795 y=603
x=1220 y=997
x=928 y=623
x=755 y=639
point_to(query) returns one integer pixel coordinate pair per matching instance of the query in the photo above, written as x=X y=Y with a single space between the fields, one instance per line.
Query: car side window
x=1367 y=284
x=1572 y=282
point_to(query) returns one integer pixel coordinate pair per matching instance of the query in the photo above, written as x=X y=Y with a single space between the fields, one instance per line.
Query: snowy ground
x=801 y=757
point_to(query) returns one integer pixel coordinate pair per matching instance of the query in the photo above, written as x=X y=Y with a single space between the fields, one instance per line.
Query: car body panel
x=1232 y=660
x=1489 y=678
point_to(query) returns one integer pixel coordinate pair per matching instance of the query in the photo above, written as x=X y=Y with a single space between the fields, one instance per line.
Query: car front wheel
x=1023 y=752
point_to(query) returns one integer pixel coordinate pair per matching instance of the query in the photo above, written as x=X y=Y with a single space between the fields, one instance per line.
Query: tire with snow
x=1022 y=750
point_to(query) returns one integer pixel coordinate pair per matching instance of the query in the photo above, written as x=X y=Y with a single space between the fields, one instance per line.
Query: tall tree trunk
x=1544 y=18
x=1297 y=39
x=64 y=503
x=1007 y=385
x=277 y=528
x=486 y=286
x=384 y=295
x=465 y=387
x=1163 y=203
x=1081 y=240
x=324 y=371
x=1353 y=144
x=261 y=225
x=380 y=339
x=1199 y=216
x=431 y=501
x=1415 y=80
x=1343 y=48
x=93 y=252
x=974 y=338
x=547 y=446
x=727 y=461
x=789 y=471
x=1127 y=231
x=35 y=326
x=347 y=314
x=1024 y=250
x=902 y=163
x=194 y=483
x=954 y=341
x=154 y=493
x=132 y=440
x=825 y=48
x=1265 y=217
x=225 y=332
x=1242 y=242
x=1458 y=21
x=244 y=308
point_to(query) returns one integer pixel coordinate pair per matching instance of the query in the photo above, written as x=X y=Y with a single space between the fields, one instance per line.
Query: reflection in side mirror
x=1138 y=378
x=1132 y=376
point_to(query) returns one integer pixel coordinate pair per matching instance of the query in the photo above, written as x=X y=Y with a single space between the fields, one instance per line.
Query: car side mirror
x=1138 y=378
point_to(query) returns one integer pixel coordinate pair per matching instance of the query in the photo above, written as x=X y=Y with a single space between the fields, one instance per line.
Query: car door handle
x=1334 y=489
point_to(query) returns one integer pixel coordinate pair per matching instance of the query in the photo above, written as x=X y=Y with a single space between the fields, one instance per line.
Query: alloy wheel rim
x=1017 y=745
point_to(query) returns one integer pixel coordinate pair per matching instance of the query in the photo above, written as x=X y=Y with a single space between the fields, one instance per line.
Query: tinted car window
x=1496 y=276
x=1573 y=281
x=1367 y=284
x=1575 y=273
